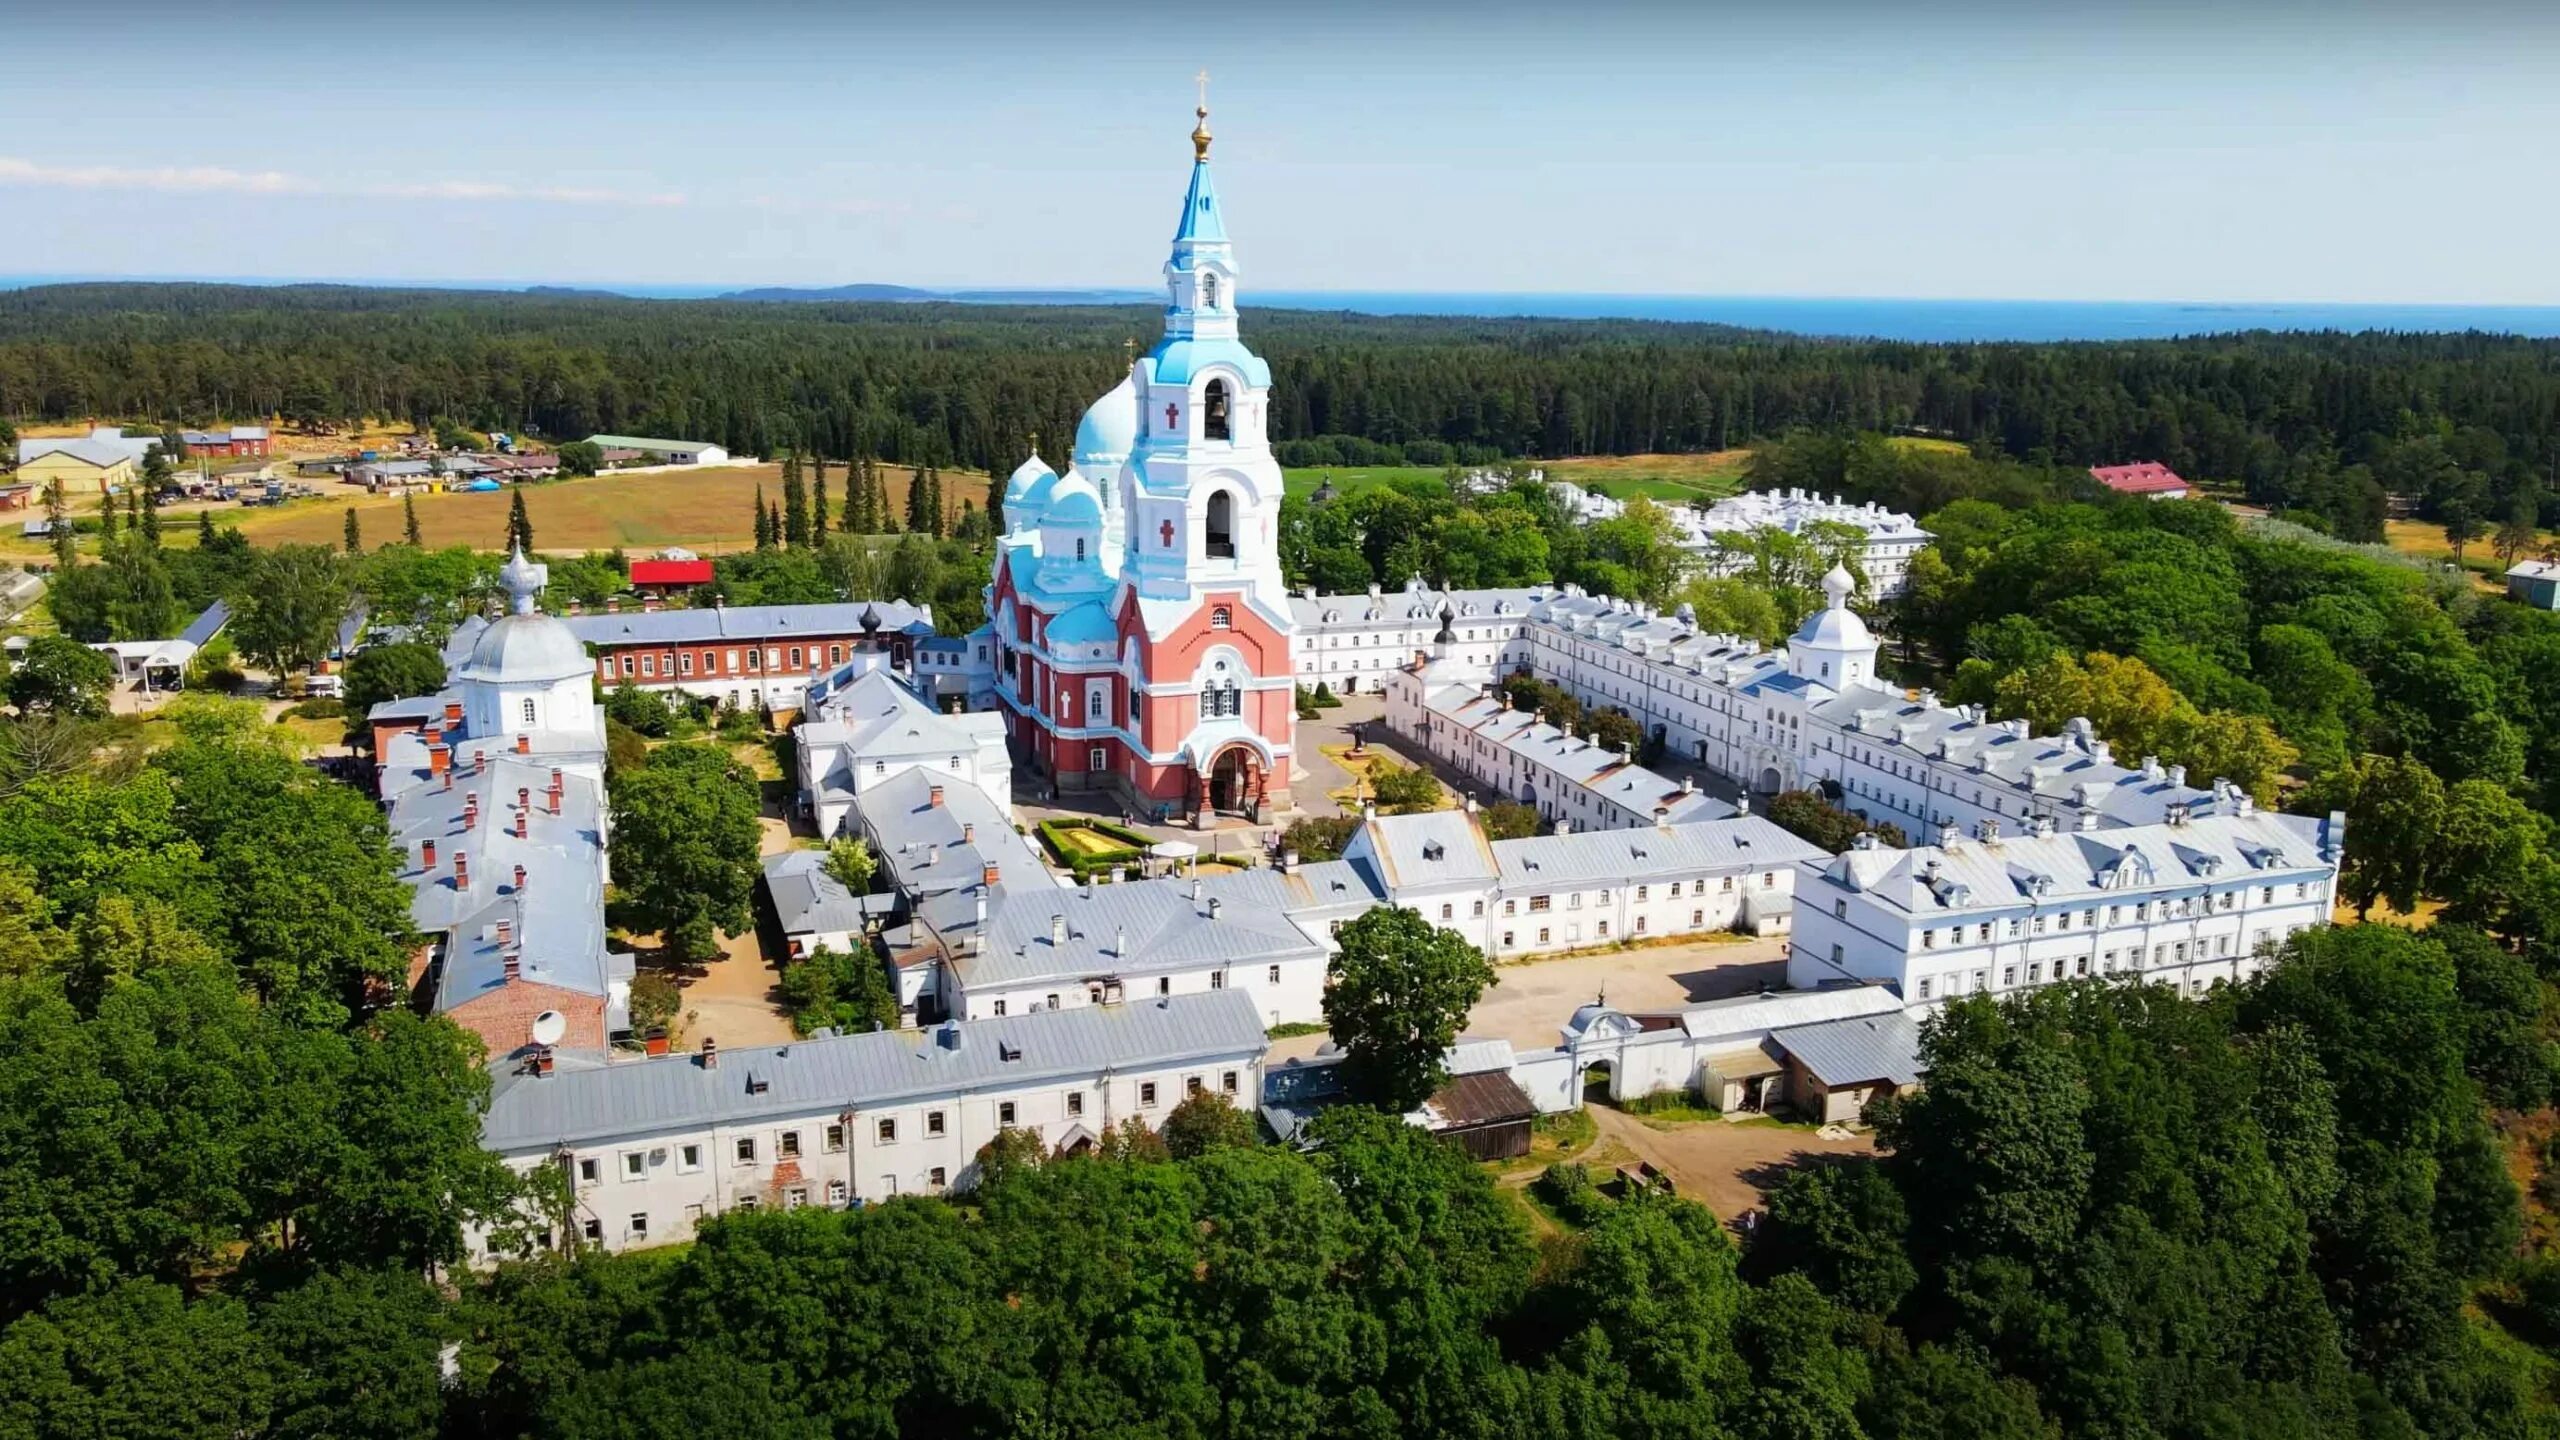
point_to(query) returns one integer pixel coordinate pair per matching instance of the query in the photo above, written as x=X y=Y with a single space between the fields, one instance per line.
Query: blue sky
x=2239 y=151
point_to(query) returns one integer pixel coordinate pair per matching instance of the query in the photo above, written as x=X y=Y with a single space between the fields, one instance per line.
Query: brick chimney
x=524 y=743
x=461 y=870
x=452 y=714
x=506 y=930
x=933 y=797
x=988 y=877
x=613 y=604
x=519 y=879
x=470 y=808
x=542 y=1060
x=524 y=824
x=426 y=855
x=710 y=1053
x=440 y=760
x=968 y=834
x=524 y=797
x=514 y=961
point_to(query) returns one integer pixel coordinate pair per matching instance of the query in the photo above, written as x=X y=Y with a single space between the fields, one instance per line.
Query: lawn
x=1347 y=478
x=1087 y=841
x=1673 y=478
x=709 y=510
x=2425 y=539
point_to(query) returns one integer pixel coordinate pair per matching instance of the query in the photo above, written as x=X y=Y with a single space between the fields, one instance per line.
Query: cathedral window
x=1079 y=548
x=1209 y=292
x=528 y=709
x=1222 y=515
x=1222 y=618
x=1213 y=412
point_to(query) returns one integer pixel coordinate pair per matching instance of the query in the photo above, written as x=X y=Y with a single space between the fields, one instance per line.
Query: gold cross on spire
x=1203 y=79
x=1200 y=132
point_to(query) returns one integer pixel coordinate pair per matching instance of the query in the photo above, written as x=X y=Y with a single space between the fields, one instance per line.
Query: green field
x=1670 y=479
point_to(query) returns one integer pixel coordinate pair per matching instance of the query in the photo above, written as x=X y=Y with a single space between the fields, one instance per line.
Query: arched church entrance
x=1235 y=782
x=1771 y=782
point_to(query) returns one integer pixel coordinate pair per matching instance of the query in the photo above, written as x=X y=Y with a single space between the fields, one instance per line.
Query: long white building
x=1812 y=716
x=2191 y=902
x=654 y=1147
x=1892 y=536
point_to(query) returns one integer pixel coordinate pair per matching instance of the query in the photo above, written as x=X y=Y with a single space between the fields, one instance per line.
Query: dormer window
x=1213 y=412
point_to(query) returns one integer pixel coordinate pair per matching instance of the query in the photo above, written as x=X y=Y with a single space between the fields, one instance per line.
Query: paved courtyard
x=1531 y=1004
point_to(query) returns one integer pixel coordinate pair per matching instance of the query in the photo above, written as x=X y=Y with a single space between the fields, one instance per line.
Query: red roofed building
x=2148 y=478
x=664 y=575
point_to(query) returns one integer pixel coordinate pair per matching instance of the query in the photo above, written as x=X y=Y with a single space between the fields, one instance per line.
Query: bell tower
x=1203 y=503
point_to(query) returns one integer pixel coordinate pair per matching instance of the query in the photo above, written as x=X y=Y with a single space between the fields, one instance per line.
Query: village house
x=863 y=726
x=2148 y=478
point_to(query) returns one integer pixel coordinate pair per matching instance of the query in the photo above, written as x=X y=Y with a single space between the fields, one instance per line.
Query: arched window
x=528 y=709
x=1214 y=412
x=1222 y=618
x=1222 y=514
x=1209 y=291
x=1079 y=547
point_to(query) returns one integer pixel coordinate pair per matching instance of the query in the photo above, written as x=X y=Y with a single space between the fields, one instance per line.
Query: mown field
x=709 y=511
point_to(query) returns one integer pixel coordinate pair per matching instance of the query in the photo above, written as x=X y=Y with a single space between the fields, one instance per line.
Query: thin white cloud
x=203 y=179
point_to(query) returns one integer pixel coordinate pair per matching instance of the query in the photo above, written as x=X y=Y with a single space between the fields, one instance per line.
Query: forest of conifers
x=2278 y=415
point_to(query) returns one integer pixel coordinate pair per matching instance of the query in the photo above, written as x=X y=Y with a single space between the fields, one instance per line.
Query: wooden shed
x=1487 y=1114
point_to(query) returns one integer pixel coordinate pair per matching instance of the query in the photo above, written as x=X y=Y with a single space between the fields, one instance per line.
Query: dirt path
x=733 y=999
x=1724 y=1165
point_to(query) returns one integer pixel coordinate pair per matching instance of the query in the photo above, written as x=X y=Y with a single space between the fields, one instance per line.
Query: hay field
x=708 y=510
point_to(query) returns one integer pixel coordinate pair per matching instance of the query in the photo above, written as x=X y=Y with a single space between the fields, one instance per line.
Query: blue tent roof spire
x=1203 y=221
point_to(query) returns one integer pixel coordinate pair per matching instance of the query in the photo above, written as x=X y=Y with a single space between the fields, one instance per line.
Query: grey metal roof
x=1857 y=1051
x=855 y=1072
x=1318 y=888
x=2078 y=866
x=1139 y=927
x=807 y=898
x=930 y=849
x=1648 y=852
x=1416 y=604
x=1424 y=851
x=1606 y=773
x=746 y=622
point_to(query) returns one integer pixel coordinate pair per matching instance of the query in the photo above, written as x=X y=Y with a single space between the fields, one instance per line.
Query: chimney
x=613 y=606
x=524 y=797
x=519 y=879
x=524 y=743
x=710 y=1053
x=440 y=760
x=1214 y=903
x=1863 y=840
x=506 y=930
x=1563 y=826
x=987 y=877
x=553 y=795
x=427 y=855
x=1948 y=834
x=1742 y=803
x=524 y=824
x=1288 y=862
x=2088 y=820
x=968 y=834
x=542 y=1060
x=1688 y=785
x=470 y=808
x=1196 y=890
x=514 y=961
x=1662 y=816
x=949 y=1036
x=448 y=779
x=982 y=915
x=453 y=714
x=649 y=604
x=461 y=870
x=1058 y=929
x=933 y=797
x=933 y=854
x=2178 y=775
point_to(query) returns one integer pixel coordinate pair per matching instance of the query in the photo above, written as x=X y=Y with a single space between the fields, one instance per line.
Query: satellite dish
x=549 y=1026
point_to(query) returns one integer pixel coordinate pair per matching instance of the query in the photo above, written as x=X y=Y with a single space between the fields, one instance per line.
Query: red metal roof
x=2145 y=478
x=670 y=572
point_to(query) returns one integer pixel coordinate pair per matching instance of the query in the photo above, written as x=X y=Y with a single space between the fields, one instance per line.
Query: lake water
x=1945 y=319
x=1886 y=319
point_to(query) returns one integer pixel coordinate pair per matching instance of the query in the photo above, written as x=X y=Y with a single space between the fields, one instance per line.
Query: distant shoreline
x=1911 y=320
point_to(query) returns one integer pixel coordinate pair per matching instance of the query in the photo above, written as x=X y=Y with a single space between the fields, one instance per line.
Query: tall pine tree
x=150 y=520
x=773 y=521
x=919 y=503
x=764 y=527
x=817 y=501
x=354 y=533
x=409 y=520
x=519 y=525
x=795 y=503
x=204 y=528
